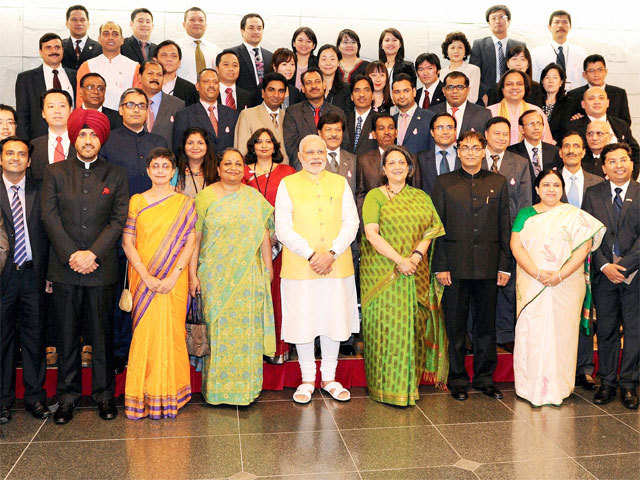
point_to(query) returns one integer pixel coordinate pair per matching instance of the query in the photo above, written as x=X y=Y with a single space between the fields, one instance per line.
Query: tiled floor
x=274 y=438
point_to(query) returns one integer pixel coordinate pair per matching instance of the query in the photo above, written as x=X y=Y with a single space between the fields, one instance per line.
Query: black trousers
x=615 y=305
x=506 y=310
x=21 y=316
x=68 y=303
x=480 y=296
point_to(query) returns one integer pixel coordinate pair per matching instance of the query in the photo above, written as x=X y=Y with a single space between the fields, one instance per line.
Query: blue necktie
x=572 y=195
x=444 y=165
x=358 y=132
x=617 y=208
x=560 y=59
x=502 y=61
x=20 y=251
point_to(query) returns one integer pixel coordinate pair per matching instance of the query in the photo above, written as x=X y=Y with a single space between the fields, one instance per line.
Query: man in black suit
x=490 y=53
x=30 y=86
x=91 y=96
x=472 y=261
x=254 y=60
x=428 y=70
x=209 y=114
x=84 y=208
x=137 y=47
x=598 y=136
x=78 y=48
x=443 y=158
x=23 y=282
x=412 y=121
x=169 y=54
x=469 y=116
x=360 y=118
x=302 y=118
x=616 y=291
x=231 y=94
x=595 y=73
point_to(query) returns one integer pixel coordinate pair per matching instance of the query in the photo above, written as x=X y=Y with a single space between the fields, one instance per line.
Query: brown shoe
x=86 y=355
x=52 y=356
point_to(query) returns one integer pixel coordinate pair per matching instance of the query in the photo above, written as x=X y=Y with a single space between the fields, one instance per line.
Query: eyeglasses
x=498 y=18
x=441 y=128
x=97 y=88
x=133 y=105
x=618 y=161
x=534 y=124
x=451 y=88
x=467 y=148
x=595 y=70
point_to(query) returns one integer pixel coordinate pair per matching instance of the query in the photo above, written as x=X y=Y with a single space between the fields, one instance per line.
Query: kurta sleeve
x=350 y=222
x=284 y=225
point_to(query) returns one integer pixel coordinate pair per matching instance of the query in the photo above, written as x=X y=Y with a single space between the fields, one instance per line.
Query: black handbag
x=197 y=338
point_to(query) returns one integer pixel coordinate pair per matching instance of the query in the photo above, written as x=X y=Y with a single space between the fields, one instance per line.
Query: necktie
x=143 y=47
x=444 y=164
x=560 y=60
x=77 y=49
x=201 y=64
x=454 y=110
x=572 y=195
x=213 y=119
x=617 y=208
x=426 y=102
x=274 y=118
x=316 y=115
x=494 y=163
x=150 y=117
x=536 y=162
x=58 y=152
x=357 y=132
x=259 y=64
x=229 y=101
x=332 y=162
x=56 y=80
x=20 y=251
x=402 y=127
x=502 y=61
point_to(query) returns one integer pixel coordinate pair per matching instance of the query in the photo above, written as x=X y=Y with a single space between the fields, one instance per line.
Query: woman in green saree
x=403 y=327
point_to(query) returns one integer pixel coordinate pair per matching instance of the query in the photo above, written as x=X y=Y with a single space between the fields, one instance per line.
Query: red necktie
x=143 y=47
x=453 y=112
x=213 y=119
x=58 y=153
x=150 y=117
x=77 y=49
x=426 y=102
x=56 y=80
x=229 y=101
x=316 y=115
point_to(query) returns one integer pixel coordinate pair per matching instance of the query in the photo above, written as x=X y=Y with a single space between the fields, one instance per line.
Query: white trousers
x=307 y=359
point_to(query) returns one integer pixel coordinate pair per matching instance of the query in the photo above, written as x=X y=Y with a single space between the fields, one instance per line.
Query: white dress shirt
x=427 y=91
x=574 y=56
x=206 y=106
x=21 y=195
x=83 y=42
x=530 y=148
x=337 y=152
x=566 y=175
x=223 y=94
x=188 y=45
x=62 y=76
x=168 y=87
x=459 y=116
x=490 y=160
x=52 y=142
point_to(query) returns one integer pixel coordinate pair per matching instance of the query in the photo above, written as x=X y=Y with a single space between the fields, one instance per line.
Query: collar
x=566 y=174
x=251 y=47
x=336 y=151
x=275 y=112
x=489 y=154
x=206 y=105
x=193 y=40
x=461 y=108
x=602 y=118
x=83 y=40
x=99 y=109
x=81 y=164
x=381 y=150
x=463 y=173
x=22 y=183
x=156 y=99
x=52 y=136
x=530 y=147
x=504 y=42
x=134 y=133
x=140 y=41
x=624 y=188
x=224 y=87
x=409 y=112
x=451 y=150
x=312 y=107
x=49 y=71
x=363 y=115
x=555 y=45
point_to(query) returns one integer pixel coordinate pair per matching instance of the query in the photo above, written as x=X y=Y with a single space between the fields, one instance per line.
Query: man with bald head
x=316 y=221
x=598 y=135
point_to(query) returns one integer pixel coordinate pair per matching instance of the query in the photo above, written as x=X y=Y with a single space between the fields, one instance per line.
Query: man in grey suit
x=339 y=160
x=162 y=107
x=516 y=170
x=469 y=116
x=490 y=53
x=576 y=182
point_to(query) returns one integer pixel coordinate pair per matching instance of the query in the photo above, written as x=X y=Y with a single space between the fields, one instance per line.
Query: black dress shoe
x=38 y=410
x=585 y=381
x=5 y=415
x=119 y=365
x=491 y=391
x=459 y=393
x=629 y=398
x=604 y=394
x=107 y=409
x=63 y=414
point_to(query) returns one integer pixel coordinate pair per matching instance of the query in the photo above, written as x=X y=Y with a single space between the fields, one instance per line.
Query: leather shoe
x=604 y=394
x=38 y=410
x=629 y=398
x=508 y=346
x=107 y=409
x=459 y=393
x=491 y=391
x=585 y=381
x=63 y=414
x=5 y=415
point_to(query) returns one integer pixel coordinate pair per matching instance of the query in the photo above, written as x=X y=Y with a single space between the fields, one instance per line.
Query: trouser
x=21 y=316
x=506 y=311
x=68 y=301
x=307 y=359
x=122 y=332
x=585 y=365
x=616 y=304
x=481 y=294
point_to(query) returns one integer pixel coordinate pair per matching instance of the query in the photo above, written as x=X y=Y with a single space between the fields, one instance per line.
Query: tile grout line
x=25 y=449
x=440 y=433
x=609 y=413
x=239 y=439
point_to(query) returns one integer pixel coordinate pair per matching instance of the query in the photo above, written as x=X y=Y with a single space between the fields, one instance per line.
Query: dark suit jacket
x=299 y=122
x=84 y=210
x=196 y=116
x=186 y=91
x=37 y=236
x=476 y=243
x=428 y=169
x=115 y=120
x=625 y=232
x=91 y=49
x=589 y=181
x=131 y=49
x=418 y=136
x=30 y=86
x=346 y=168
x=163 y=123
x=559 y=118
x=247 y=78
x=365 y=142
x=516 y=170
x=244 y=98
x=591 y=164
x=483 y=55
x=550 y=159
x=618 y=102
x=40 y=157
x=475 y=116
x=438 y=95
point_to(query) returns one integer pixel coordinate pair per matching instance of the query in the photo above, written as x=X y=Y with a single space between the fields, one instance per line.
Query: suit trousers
x=585 y=364
x=22 y=317
x=70 y=322
x=616 y=304
x=480 y=295
x=506 y=311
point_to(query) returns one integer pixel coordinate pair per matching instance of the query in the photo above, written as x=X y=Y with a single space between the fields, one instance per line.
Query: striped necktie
x=357 y=132
x=20 y=251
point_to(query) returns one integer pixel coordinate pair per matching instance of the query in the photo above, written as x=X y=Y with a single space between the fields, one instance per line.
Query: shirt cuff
x=506 y=273
x=604 y=266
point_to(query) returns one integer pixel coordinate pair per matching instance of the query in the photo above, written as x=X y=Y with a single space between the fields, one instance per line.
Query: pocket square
x=226 y=130
x=106 y=191
x=415 y=131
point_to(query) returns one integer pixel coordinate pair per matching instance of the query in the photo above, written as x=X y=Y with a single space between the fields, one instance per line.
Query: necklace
x=266 y=184
x=391 y=192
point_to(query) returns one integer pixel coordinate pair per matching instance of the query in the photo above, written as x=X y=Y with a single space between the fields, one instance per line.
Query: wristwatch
x=333 y=254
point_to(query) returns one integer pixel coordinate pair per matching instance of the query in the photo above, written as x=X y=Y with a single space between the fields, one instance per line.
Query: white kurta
x=325 y=306
x=119 y=73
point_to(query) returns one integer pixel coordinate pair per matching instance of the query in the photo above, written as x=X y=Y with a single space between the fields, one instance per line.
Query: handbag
x=197 y=338
x=126 y=300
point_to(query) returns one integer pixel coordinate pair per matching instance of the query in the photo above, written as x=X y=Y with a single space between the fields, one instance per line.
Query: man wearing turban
x=84 y=209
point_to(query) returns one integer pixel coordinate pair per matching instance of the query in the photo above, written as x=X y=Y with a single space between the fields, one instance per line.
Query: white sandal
x=304 y=390
x=335 y=389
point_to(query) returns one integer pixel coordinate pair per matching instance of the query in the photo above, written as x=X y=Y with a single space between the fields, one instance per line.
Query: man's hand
x=82 y=261
x=576 y=116
x=503 y=279
x=444 y=278
x=321 y=263
x=613 y=272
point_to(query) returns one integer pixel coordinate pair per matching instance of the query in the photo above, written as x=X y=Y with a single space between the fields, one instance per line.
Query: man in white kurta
x=316 y=221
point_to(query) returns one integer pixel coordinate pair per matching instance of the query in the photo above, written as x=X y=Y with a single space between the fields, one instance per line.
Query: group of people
x=487 y=202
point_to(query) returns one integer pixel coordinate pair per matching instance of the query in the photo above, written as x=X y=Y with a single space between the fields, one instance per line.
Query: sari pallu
x=549 y=318
x=158 y=380
x=403 y=327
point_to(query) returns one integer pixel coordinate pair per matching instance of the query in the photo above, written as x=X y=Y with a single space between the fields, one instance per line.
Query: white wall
x=423 y=24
